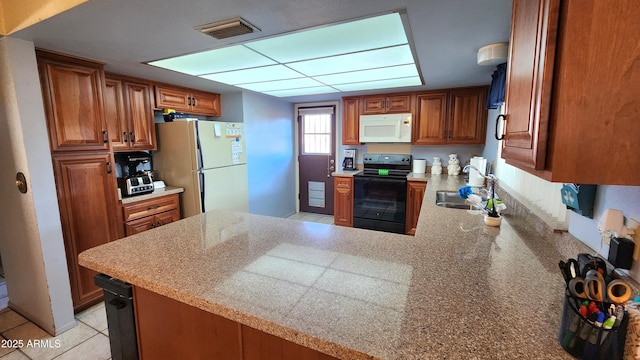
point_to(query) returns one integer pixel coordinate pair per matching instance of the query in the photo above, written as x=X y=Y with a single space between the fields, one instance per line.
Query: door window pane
x=316 y=130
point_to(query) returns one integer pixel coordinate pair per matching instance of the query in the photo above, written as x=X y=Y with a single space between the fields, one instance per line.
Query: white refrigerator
x=208 y=160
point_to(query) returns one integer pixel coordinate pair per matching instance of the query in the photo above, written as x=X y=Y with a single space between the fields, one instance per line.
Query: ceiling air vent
x=227 y=28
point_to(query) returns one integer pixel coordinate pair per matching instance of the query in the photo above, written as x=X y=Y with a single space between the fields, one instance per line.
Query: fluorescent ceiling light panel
x=360 y=35
x=213 y=61
x=302 y=92
x=369 y=75
x=380 y=84
x=281 y=85
x=372 y=53
x=397 y=55
x=259 y=74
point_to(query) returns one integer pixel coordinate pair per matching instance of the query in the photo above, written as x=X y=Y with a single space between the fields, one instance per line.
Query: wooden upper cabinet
x=451 y=117
x=87 y=201
x=530 y=74
x=130 y=113
x=467 y=116
x=139 y=111
x=114 y=113
x=430 y=123
x=73 y=102
x=350 y=121
x=187 y=100
x=584 y=106
x=386 y=104
x=205 y=103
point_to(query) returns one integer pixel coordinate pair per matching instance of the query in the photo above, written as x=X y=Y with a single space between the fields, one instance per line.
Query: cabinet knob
x=504 y=117
x=132 y=137
x=109 y=167
x=124 y=136
x=105 y=136
x=159 y=223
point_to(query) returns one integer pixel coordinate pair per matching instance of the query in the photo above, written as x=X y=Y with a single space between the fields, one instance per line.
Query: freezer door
x=226 y=188
x=221 y=144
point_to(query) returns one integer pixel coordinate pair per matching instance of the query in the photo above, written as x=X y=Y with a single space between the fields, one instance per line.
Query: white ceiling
x=126 y=33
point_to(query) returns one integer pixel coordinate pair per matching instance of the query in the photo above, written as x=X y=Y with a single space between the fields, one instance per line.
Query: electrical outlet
x=634 y=225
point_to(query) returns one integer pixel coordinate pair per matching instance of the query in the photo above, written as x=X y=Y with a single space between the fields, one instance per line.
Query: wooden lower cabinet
x=415 y=194
x=144 y=215
x=343 y=200
x=169 y=329
x=87 y=201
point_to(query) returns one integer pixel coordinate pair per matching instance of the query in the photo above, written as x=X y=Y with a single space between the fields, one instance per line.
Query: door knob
x=21 y=183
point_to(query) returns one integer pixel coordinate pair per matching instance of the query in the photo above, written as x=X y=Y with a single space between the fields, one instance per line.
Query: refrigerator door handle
x=202 y=189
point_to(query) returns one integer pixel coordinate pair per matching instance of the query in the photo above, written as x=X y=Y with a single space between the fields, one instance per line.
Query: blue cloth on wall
x=495 y=99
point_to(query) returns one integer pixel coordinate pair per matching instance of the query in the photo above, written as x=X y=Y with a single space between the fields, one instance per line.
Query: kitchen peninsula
x=458 y=289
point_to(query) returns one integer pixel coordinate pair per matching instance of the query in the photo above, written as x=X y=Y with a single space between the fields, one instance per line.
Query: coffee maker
x=349 y=162
x=133 y=170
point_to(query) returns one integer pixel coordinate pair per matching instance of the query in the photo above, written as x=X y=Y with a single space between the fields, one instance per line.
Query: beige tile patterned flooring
x=88 y=340
x=311 y=217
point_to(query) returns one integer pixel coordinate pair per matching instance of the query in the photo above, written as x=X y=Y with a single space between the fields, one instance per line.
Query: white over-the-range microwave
x=385 y=128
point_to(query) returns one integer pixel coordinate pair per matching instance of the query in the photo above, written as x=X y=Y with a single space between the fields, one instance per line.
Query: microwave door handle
x=399 y=129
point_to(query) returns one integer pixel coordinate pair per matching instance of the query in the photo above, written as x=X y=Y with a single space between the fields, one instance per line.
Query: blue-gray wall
x=270 y=139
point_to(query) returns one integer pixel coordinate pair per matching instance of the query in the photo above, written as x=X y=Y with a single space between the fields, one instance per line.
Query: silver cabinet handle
x=504 y=118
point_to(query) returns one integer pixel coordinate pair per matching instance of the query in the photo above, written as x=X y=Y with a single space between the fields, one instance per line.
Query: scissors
x=593 y=287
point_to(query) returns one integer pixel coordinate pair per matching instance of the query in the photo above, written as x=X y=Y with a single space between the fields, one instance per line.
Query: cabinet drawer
x=344 y=183
x=149 y=207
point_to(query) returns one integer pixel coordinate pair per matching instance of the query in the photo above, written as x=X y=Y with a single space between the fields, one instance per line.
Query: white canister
x=419 y=166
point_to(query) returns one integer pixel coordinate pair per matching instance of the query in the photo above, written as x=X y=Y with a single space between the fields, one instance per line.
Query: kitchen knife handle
x=497 y=123
x=132 y=137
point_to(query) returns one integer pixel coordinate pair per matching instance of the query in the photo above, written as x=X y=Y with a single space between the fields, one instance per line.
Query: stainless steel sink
x=450 y=199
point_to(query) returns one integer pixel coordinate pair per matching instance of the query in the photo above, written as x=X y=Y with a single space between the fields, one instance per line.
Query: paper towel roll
x=475 y=177
x=419 y=166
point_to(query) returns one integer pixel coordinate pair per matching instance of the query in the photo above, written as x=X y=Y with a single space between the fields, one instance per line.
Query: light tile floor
x=88 y=340
x=311 y=217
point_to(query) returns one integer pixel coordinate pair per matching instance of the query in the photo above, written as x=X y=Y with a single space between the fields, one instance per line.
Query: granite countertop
x=156 y=193
x=457 y=290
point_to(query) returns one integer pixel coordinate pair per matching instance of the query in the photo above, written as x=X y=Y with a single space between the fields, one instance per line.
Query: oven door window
x=379 y=198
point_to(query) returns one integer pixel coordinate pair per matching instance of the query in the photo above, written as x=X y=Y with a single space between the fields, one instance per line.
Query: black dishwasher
x=118 y=301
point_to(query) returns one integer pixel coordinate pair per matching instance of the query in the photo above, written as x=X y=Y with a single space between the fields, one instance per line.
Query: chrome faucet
x=491 y=181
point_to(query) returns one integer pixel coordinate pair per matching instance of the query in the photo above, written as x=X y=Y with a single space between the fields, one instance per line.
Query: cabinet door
x=431 y=117
x=167 y=217
x=350 y=121
x=174 y=98
x=398 y=104
x=415 y=194
x=467 y=116
x=139 y=111
x=373 y=105
x=529 y=79
x=139 y=225
x=343 y=201
x=204 y=103
x=87 y=201
x=114 y=113
x=72 y=94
